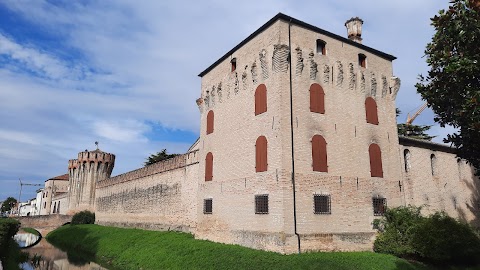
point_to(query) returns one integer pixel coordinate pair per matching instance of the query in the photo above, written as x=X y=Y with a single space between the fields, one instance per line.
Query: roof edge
x=405 y=141
x=281 y=16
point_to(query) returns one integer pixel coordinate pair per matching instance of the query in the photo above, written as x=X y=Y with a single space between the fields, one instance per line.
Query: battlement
x=95 y=156
x=177 y=162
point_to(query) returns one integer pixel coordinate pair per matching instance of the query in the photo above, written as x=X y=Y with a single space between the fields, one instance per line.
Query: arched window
x=371 y=111
x=210 y=119
x=55 y=207
x=362 y=60
x=317 y=98
x=261 y=99
x=261 y=154
x=319 y=154
x=321 y=47
x=433 y=164
x=406 y=157
x=375 y=160
x=209 y=167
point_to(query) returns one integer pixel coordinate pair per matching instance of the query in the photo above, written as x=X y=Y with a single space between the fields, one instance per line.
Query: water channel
x=45 y=256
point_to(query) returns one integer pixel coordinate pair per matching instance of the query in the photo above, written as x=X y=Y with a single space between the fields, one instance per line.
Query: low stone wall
x=44 y=224
x=161 y=196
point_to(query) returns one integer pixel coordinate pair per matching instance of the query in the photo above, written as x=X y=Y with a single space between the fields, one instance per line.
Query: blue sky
x=124 y=72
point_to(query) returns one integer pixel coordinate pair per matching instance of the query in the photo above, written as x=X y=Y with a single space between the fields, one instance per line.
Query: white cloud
x=122 y=131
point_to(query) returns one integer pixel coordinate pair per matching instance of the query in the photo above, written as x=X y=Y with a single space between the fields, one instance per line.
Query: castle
x=298 y=151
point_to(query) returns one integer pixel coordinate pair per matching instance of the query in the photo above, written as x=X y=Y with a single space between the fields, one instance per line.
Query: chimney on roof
x=354 y=29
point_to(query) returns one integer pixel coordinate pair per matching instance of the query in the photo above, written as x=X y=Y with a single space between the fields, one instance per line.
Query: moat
x=45 y=256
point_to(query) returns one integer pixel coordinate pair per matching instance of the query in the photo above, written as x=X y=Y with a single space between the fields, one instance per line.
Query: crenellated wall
x=84 y=173
x=160 y=196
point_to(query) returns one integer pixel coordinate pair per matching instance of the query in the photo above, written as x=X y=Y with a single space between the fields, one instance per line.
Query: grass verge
x=140 y=249
x=30 y=230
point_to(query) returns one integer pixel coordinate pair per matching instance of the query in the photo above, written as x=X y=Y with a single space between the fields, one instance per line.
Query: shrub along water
x=437 y=239
x=83 y=217
x=139 y=249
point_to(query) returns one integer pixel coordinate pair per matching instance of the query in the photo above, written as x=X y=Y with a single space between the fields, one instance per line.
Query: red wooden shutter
x=317 y=98
x=210 y=119
x=261 y=154
x=209 y=167
x=375 y=154
x=319 y=154
x=371 y=111
x=260 y=99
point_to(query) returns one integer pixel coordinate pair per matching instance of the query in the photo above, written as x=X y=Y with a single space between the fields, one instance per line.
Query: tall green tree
x=413 y=131
x=160 y=156
x=8 y=204
x=452 y=86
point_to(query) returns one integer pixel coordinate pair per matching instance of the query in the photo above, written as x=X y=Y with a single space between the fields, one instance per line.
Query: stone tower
x=84 y=173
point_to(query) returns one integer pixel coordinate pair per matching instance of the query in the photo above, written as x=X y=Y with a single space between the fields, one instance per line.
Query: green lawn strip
x=135 y=249
x=30 y=230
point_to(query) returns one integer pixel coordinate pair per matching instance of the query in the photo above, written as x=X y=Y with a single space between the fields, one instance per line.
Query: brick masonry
x=170 y=195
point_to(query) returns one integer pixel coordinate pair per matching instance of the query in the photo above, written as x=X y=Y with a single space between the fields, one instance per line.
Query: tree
x=8 y=204
x=452 y=86
x=413 y=131
x=160 y=156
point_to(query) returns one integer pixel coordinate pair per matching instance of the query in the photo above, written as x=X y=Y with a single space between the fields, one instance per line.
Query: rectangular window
x=261 y=204
x=321 y=204
x=207 y=206
x=379 y=206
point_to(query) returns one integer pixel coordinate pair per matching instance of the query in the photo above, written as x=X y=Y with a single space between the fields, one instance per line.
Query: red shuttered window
x=210 y=119
x=375 y=160
x=371 y=111
x=261 y=154
x=317 y=98
x=209 y=167
x=260 y=99
x=319 y=154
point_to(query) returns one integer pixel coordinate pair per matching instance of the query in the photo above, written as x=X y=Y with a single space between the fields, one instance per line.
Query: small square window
x=207 y=206
x=362 y=60
x=321 y=204
x=321 y=47
x=379 y=206
x=233 y=63
x=261 y=204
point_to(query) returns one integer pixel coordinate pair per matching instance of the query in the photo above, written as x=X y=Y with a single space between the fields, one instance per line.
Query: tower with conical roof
x=84 y=173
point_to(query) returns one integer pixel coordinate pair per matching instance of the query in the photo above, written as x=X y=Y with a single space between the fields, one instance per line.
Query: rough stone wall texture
x=161 y=196
x=46 y=223
x=84 y=173
x=343 y=126
x=452 y=187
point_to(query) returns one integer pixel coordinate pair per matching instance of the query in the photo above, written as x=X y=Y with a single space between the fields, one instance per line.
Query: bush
x=84 y=217
x=396 y=232
x=8 y=228
x=442 y=239
x=435 y=239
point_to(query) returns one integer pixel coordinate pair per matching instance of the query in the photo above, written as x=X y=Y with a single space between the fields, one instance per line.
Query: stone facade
x=212 y=190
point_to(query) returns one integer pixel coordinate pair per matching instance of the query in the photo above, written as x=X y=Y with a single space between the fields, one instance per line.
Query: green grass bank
x=140 y=249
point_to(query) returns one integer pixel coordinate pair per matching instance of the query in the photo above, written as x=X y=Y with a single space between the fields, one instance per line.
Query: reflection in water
x=25 y=239
x=53 y=258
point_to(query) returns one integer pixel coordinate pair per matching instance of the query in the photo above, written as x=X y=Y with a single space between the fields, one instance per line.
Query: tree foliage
x=413 y=131
x=160 y=156
x=452 y=86
x=8 y=204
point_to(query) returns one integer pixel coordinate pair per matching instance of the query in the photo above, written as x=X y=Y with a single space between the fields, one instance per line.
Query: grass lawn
x=140 y=249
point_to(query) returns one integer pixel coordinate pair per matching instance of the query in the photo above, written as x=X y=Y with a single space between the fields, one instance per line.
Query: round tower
x=84 y=173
